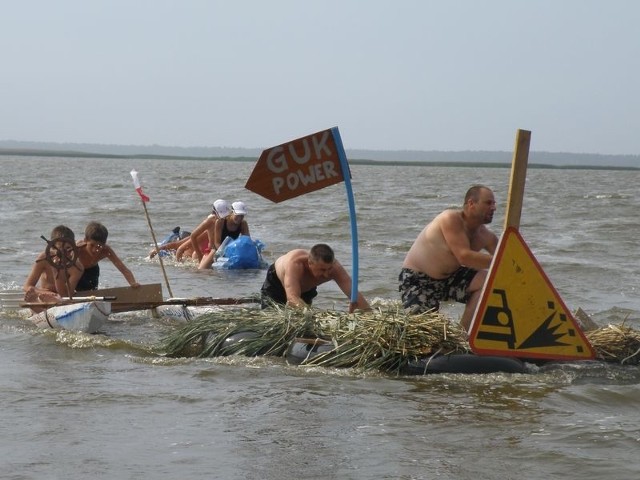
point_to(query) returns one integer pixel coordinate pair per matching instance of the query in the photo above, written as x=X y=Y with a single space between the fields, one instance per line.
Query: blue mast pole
x=346 y=173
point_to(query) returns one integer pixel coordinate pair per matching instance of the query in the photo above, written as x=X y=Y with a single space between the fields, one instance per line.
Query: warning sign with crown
x=520 y=314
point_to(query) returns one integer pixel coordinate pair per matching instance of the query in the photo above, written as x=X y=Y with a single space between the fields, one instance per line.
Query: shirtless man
x=47 y=283
x=93 y=249
x=446 y=261
x=293 y=278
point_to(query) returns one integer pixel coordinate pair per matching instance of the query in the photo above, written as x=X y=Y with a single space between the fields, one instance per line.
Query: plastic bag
x=243 y=253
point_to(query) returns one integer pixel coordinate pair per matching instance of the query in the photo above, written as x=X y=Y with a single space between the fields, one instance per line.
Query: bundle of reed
x=206 y=335
x=616 y=343
x=384 y=339
x=388 y=339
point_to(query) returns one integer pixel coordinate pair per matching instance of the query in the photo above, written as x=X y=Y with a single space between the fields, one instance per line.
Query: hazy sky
x=415 y=75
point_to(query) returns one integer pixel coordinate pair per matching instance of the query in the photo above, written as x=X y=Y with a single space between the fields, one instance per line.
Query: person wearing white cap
x=232 y=225
x=200 y=244
x=202 y=239
x=239 y=208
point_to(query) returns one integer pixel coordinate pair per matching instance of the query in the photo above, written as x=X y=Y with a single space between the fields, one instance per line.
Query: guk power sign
x=297 y=167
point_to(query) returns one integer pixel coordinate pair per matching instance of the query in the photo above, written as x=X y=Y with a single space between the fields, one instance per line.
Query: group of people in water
x=448 y=260
x=78 y=261
x=207 y=238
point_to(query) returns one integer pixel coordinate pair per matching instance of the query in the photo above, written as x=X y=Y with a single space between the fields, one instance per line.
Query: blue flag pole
x=346 y=173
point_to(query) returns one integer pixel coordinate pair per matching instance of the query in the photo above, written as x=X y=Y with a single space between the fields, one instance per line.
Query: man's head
x=480 y=203
x=62 y=232
x=95 y=236
x=321 y=258
x=62 y=237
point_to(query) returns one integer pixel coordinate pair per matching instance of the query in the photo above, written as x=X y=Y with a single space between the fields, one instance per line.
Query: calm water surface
x=105 y=406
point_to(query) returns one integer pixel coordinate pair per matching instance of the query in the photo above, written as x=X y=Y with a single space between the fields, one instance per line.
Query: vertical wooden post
x=515 y=198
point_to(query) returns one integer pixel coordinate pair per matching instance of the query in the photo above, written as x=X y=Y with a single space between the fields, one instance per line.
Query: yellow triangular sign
x=520 y=313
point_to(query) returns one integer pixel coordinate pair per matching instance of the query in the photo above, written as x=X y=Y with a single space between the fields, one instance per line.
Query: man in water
x=293 y=278
x=446 y=262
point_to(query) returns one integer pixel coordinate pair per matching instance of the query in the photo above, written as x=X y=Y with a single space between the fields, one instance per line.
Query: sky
x=448 y=75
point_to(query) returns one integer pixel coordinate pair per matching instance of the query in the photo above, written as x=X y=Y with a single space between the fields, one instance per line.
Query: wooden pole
x=155 y=242
x=145 y=199
x=515 y=198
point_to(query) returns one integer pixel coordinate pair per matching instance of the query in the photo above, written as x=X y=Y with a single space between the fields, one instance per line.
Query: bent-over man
x=292 y=279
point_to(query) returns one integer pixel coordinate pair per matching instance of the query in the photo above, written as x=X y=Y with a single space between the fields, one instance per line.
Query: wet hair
x=474 y=193
x=321 y=252
x=62 y=231
x=97 y=232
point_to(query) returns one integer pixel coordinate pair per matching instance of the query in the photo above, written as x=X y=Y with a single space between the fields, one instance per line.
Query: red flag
x=136 y=184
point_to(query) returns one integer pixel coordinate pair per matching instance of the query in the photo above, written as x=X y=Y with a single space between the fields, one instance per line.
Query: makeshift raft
x=89 y=313
x=386 y=339
x=86 y=315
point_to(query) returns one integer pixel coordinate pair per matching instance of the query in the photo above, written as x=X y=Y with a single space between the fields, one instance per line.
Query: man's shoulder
x=294 y=257
x=450 y=212
x=449 y=218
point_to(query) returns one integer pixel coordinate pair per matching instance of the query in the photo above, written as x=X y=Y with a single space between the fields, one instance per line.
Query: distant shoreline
x=409 y=163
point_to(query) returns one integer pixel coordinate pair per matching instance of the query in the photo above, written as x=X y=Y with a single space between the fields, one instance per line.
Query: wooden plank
x=187 y=302
x=132 y=306
x=129 y=298
x=124 y=299
x=515 y=198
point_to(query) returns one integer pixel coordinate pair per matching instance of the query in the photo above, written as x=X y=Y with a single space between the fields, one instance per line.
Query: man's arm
x=119 y=264
x=34 y=276
x=67 y=280
x=291 y=282
x=491 y=243
x=458 y=242
x=342 y=278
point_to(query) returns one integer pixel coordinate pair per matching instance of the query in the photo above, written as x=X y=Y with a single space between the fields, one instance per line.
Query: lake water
x=105 y=406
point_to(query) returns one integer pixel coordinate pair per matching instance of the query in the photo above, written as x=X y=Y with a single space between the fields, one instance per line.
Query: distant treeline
x=444 y=159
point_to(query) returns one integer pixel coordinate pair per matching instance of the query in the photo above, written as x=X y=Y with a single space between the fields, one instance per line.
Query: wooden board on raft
x=145 y=297
x=129 y=298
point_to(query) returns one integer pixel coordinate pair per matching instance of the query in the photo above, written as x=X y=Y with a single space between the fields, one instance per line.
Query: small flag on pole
x=136 y=184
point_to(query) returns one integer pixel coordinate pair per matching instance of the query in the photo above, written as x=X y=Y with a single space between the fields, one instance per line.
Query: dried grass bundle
x=385 y=338
x=616 y=343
